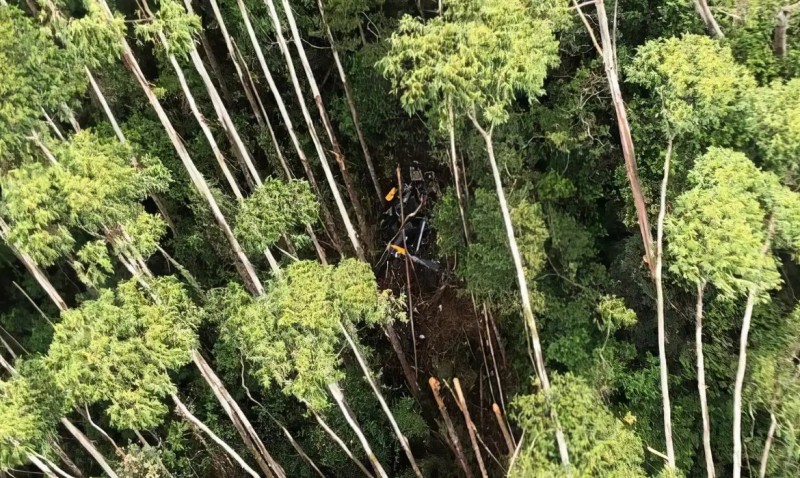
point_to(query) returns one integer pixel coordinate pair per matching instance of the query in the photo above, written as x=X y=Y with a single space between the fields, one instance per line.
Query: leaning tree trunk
x=773 y=424
x=742 y=365
x=348 y=92
x=265 y=461
x=662 y=340
x=249 y=273
x=336 y=392
x=522 y=282
x=336 y=438
x=288 y=122
x=201 y=120
x=337 y=197
x=101 y=98
x=183 y=410
x=701 y=381
x=323 y=114
x=368 y=375
x=708 y=18
x=451 y=127
x=610 y=64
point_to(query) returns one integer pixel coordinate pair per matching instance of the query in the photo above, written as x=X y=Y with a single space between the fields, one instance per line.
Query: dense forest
x=343 y=238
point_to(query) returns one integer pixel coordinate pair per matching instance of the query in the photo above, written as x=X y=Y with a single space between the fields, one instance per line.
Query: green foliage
x=478 y=54
x=614 y=315
x=120 y=348
x=178 y=26
x=774 y=124
x=34 y=75
x=89 y=38
x=92 y=187
x=600 y=444
x=486 y=265
x=93 y=265
x=291 y=336
x=275 y=208
x=695 y=78
x=29 y=412
x=142 y=462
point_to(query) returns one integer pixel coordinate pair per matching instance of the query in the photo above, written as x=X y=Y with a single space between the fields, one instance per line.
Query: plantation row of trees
x=191 y=199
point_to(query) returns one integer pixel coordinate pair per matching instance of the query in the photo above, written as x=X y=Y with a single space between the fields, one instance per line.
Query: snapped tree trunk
x=197 y=179
x=781 y=27
x=473 y=432
x=336 y=392
x=386 y=410
x=701 y=381
x=348 y=92
x=742 y=364
x=451 y=431
x=326 y=122
x=522 y=282
x=662 y=340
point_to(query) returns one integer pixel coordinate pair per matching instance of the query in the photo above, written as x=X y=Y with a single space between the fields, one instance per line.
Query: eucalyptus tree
x=475 y=58
x=248 y=273
x=696 y=86
x=351 y=104
x=276 y=23
x=119 y=348
x=287 y=121
x=715 y=238
x=291 y=336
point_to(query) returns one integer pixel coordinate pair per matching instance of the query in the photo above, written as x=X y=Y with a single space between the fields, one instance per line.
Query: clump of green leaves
x=275 y=208
x=93 y=264
x=176 y=24
x=120 y=348
x=486 y=266
x=292 y=335
x=614 y=314
x=600 y=444
x=29 y=411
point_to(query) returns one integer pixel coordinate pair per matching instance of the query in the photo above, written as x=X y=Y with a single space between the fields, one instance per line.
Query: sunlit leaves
x=292 y=335
x=120 y=348
x=176 y=24
x=275 y=208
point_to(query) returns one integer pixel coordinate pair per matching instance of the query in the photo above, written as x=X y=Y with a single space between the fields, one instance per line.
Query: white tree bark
x=742 y=364
x=337 y=197
x=701 y=382
x=386 y=410
x=336 y=392
x=184 y=412
x=323 y=114
x=657 y=277
x=336 y=438
x=522 y=282
x=88 y=446
x=199 y=182
x=773 y=423
x=351 y=103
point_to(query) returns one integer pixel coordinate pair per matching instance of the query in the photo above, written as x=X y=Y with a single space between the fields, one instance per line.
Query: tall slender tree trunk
x=41 y=465
x=451 y=431
x=33 y=268
x=342 y=445
x=265 y=461
x=88 y=446
x=742 y=364
x=657 y=277
x=522 y=282
x=326 y=216
x=701 y=380
x=212 y=61
x=337 y=197
x=336 y=392
x=779 y=46
x=471 y=430
x=350 y=102
x=197 y=179
x=626 y=139
x=773 y=424
x=386 y=410
x=451 y=128
x=708 y=18
x=323 y=114
x=101 y=98
x=201 y=120
x=183 y=410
